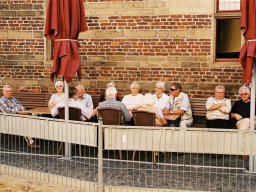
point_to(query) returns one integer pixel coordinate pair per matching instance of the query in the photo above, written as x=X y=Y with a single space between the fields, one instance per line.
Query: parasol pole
x=252 y=113
x=67 y=145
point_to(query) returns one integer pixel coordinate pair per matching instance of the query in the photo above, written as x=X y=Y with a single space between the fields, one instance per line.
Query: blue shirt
x=86 y=101
x=113 y=103
x=10 y=105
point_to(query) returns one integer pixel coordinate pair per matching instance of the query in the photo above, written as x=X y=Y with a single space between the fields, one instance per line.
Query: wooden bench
x=198 y=111
x=32 y=100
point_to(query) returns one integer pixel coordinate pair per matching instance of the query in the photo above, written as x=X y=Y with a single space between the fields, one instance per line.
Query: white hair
x=111 y=93
x=5 y=87
x=135 y=84
x=80 y=87
x=220 y=87
x=160 y=84
x=58 y=83
x=244 y=89
x=148 y=100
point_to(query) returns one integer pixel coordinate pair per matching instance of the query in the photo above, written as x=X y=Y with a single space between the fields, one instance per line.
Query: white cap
x=111 y=84
x=58 y=83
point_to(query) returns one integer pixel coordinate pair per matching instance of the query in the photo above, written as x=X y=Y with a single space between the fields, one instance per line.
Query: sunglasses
x=173 y=89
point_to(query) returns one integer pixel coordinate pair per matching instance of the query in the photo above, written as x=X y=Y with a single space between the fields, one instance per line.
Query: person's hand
x=51 y=105
x=219 y=109
x=94 y=112
x=165 y=111
x=21 y=112
x=238 y=117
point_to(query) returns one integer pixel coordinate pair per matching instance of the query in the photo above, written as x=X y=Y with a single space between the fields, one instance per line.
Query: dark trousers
x=217 y=123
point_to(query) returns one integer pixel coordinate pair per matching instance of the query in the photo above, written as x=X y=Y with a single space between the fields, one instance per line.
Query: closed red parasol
x=247 y=58
x=248 y=27
x=65 y=19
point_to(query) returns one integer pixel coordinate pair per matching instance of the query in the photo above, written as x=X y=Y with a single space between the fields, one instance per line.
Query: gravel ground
x=172 y=171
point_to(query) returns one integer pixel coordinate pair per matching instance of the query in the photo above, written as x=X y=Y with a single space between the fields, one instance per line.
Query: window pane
x=228 y=38
x=229 y=5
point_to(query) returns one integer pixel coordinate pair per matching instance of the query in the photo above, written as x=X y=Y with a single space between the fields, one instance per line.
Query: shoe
x=34 y=146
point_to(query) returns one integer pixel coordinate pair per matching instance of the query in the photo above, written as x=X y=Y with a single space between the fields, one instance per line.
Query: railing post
x=100 y=156
x=252 y=115
x=67 y=145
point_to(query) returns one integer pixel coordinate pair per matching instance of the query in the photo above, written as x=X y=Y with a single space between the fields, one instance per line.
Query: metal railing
x=117 y=158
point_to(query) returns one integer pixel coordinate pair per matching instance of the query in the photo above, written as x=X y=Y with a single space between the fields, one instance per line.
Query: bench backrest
x=30 y=100
x=198 y=106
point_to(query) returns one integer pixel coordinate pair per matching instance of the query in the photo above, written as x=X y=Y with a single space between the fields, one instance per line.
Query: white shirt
x=131 y=101
x=86 y=101
x=55 y=98
x=85 y=112
x=162 y=102
x=215 y=114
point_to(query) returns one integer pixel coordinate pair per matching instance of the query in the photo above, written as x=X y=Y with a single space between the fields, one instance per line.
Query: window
x=228 y=5
x=228 y=34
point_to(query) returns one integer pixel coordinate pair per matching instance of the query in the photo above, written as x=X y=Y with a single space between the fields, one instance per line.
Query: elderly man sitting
x=111 y=102
x=83 y=97
x=241 y=109
x=85 y=112
x=10 y=104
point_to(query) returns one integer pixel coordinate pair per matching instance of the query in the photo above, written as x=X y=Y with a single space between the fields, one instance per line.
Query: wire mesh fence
x=127 y=158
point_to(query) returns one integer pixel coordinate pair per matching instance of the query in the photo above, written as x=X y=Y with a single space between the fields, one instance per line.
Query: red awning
x=248 y=27
x=65 y=19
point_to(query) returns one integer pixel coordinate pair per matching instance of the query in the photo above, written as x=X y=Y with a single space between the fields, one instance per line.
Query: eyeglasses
x=243 y=93
x=172 y=89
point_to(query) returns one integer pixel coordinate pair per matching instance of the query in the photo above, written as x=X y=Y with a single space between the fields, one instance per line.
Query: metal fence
x=93 y=157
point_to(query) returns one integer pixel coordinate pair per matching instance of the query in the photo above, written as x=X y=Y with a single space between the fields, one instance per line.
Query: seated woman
x=161 y=99
x=133 y=100
x=218 y=108
x=56 y=97
x=148 y=105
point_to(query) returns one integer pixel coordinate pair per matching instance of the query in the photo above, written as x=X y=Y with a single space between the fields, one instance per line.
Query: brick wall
x=127 y=40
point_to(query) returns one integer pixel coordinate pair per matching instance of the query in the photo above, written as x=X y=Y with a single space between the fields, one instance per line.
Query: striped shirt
x=10 y=105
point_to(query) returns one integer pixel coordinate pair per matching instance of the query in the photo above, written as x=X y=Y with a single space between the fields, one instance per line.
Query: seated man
x=85 y=112
x=241 y=109
x=179 y=105
x=9 y=104
x=111 y=102
x=218 y=108
x=83 y=97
